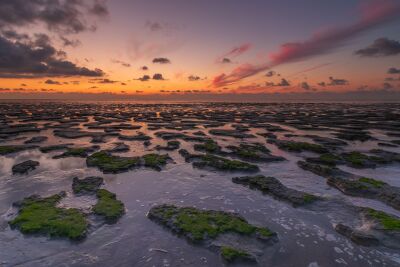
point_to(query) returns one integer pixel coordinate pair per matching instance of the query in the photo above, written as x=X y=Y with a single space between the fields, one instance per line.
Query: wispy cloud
x=372 y=14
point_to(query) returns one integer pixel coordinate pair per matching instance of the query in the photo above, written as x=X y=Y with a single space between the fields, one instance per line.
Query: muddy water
x=306 y=235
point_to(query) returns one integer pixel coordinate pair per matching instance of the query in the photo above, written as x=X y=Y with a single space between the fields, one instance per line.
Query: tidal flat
x=213 y=184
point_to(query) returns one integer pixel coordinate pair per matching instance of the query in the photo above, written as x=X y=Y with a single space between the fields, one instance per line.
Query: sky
x=199 y=50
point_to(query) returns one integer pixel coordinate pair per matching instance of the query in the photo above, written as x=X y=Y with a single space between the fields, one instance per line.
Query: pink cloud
x=372 y=14
x=235 y=52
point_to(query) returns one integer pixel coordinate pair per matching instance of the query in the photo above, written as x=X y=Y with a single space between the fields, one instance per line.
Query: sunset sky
x=186 y=47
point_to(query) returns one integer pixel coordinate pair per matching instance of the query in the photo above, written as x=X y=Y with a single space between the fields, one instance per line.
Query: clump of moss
x=308 y=198
x=387 y=221
x=253 y=152
x=230 y=254
x=265 y=232
x=328 y=159
x=199 y=225
x=321 y=170
x=87 y=185
x=355 y=158
x=301 y=146
x=4 y=150
x=81 y=152
x=111 y=164
x=108 y=206
x=272 y=186
x=373 y=182
x=221 y=163
x=209 y=146
x=155 y=161
x=41 y=216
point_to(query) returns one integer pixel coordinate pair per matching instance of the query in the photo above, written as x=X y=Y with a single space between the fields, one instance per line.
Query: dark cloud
x=158 y=77
x=99 y=8
x=13 y=35
x=145 y=78
x=283 y=82
x=305 y=86
x=122 y=63
x=270 y=73
x=145 y=68
x=193 y=78
x=393 y=71
x=154 y=26
x=60 y=16
x=323 y=84
x=123 y=83
x=161 y=60
x=103 y=81
x=380 y=47
x=269 y=84
x=70 y=42
x=23 y=84
x=52 y=82
x=36 y=57
x=387 y=86
x=334 y=81
x=226 y=60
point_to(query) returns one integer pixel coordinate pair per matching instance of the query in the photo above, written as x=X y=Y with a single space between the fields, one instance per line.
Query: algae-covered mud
x=122 y=184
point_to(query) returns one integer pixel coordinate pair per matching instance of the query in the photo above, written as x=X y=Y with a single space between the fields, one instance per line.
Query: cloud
x=70 y=42
x=380 y=47
x=283 y=82
x=305 y=86
x=122 y=63
x=58 y=16
x=234 y=52
x=387 y=86
x=323 y=84
x=145 y=78
x=393 y=71
x=193 y=78
x=144 y=68
x=270 y=73
x=237 y=51
x=103 y=81
x=99 y=8
x=372 y=14
x=36 y=57
x=154 y=26
x=339 y=82
x=52 y=82
x=158 y=77
x=161 y=60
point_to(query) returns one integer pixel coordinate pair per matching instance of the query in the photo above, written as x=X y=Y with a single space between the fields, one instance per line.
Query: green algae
x=373 y=182
x=108 y=206
x=111 y=164
x=199 y=225
x=41 y=216
x=231 y=254
x=387 y=221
